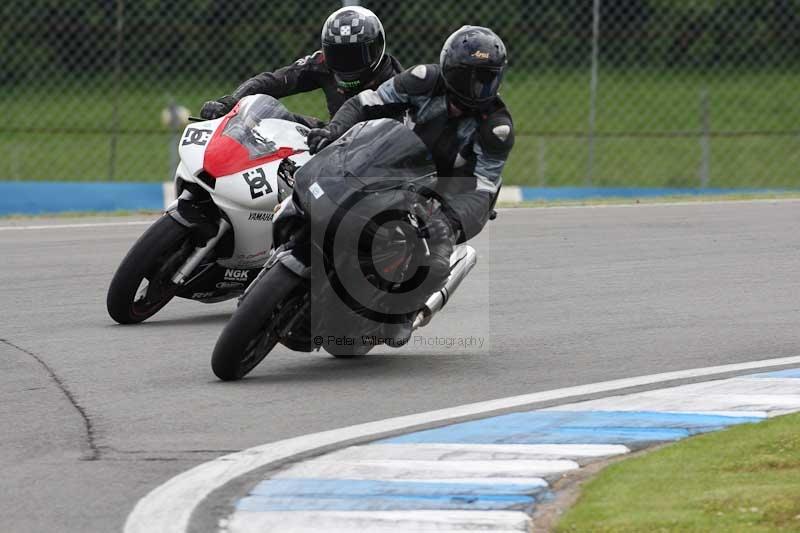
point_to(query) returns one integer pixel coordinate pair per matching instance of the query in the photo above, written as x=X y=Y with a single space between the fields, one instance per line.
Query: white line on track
x=429 y=470
x=168 y=508
x=475 y=452
x=501 y=209
x=74 y=226
x=384 y=521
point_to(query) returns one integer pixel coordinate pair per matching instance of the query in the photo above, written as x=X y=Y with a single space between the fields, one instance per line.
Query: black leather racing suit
x=470 y=150
x=310 y=73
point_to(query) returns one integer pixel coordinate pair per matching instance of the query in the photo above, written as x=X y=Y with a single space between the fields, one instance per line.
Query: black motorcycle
x=347 y=270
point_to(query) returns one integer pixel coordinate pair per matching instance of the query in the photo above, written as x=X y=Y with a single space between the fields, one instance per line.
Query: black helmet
x=473 y=60
x=354 y=43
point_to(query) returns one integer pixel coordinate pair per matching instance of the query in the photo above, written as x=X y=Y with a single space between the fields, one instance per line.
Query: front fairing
x=370 y=153
x=236 y=160
x=356 y=188
x=381 y=161
x=239 y=166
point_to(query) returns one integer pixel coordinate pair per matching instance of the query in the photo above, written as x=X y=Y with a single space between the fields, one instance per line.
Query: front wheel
x=142 y=284
x=250 y=334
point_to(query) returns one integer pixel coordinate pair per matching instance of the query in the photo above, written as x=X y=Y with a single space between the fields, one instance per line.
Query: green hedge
x=40 y=39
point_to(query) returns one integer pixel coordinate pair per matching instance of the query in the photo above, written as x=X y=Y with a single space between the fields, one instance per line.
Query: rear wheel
x=142 y=284
x=250 y=334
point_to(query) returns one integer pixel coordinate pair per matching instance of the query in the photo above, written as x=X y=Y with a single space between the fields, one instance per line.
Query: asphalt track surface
x=94 y=415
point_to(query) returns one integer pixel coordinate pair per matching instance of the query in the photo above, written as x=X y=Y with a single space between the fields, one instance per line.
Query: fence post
x=542 y=162
x=705 y=140
x=593 y=89
x=174 y=123
x=112 y=156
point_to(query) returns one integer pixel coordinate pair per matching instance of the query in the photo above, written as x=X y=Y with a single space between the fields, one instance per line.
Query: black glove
x=286 y=171
x=442 y=234
x=439 y=220
x=217 y=108
x=319 y=138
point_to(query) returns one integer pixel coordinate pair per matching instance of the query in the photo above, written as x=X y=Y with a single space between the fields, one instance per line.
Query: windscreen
x=243 y=126
x=255 y=133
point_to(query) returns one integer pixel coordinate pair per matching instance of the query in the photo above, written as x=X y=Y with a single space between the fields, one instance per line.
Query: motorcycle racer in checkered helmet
x=353 y=58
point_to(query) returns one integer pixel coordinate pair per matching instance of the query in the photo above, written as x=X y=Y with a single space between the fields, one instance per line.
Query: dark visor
x=351 y=57
x=475 y=84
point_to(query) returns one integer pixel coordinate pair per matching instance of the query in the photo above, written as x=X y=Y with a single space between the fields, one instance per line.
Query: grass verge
x=648 y=121
x=745 y=478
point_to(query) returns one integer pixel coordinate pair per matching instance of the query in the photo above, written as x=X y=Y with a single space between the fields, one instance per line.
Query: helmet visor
x=352 y=58
x=474 y=85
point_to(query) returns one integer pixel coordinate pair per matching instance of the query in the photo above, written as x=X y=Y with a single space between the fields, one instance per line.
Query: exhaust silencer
x=462 y=261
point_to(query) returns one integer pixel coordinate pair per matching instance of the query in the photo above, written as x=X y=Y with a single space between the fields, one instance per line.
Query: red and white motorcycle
x=213 y=240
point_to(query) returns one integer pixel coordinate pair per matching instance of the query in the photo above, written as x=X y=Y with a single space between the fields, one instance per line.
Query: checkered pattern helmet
x=354 y=43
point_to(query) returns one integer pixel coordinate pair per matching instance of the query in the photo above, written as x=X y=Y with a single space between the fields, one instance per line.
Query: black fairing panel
x=366 y=156
x=377 y=167
x=376 y=156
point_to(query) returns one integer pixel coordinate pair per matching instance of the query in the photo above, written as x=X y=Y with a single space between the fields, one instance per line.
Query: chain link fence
x=675 y=93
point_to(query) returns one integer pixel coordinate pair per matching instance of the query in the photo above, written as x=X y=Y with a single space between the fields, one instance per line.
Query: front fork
x=192 y=217
x=199 y=254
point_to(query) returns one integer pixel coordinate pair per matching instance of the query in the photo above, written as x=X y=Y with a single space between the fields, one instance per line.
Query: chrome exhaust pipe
x=462 y=262
x=199 y=253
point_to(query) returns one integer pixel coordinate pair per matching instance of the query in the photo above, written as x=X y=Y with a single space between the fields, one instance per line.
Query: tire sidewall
x=250 y=319
x=164 y=235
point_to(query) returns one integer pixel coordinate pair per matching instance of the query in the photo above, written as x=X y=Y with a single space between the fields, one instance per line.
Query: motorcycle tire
x=153 y=258
x=249 y=335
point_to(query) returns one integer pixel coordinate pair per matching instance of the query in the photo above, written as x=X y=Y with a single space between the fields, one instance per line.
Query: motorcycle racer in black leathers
x=353 y=58
x=455 y=109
